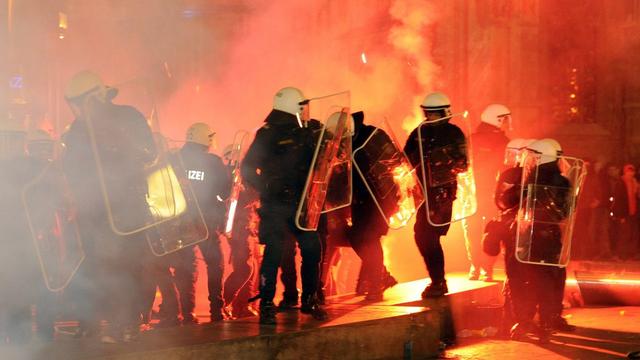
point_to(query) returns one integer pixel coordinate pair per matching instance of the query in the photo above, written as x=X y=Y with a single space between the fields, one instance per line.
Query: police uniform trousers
x=186 y=275
x=277 y=227
x=427 y=239
x=365 y=237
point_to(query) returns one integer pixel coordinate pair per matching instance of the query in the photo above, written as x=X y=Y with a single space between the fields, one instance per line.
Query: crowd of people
x=138 y=235
x=607 y=217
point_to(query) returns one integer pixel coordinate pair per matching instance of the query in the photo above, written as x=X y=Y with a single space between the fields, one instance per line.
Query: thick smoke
x=221 y=63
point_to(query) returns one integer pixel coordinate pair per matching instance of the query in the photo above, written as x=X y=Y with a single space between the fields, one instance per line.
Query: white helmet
x=513 y=150
x=548 y=149
x=517 y=144
x=495 y=114
x=200 y=133
x=86 y=82
x=290 y=100
x=555 y=144
x=435 y=101
x=338 y=116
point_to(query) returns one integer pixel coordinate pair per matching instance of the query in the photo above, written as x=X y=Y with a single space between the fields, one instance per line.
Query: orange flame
x=412 y=121
x=405 y=178
x=466 y=202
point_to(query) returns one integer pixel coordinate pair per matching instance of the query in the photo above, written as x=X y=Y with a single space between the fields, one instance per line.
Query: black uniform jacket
x=445 y=151
x=209 y=179
x=125 y=146
x=278 y=161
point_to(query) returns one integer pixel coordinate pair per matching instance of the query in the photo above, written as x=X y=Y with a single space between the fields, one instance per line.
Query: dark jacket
x=125 y=146
x=209 y=179
x=373 y=161
x=277 y=162
x=552 y=206
x=445 y=151
x=508 y=188
x=488 y=144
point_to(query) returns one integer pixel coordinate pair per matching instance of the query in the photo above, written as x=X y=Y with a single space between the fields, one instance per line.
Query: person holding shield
x=277 y=165
x=107 y=149
x=439 y=150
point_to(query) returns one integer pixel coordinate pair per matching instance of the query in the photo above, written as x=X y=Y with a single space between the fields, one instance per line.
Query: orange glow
x=632 y=282
x=610 y=281
x=165 y=198
x=63 y=23
x=10 y=16
x=404 y=177
x=411 y=122
x=233 y=201
x=466 y=202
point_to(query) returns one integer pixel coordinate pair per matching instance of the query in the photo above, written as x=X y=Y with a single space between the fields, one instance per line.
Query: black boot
x=520 y=330
x=435 y=289
x=362 y=287
x=311 y=307
x=388 y=280
x=267 y=312
x=288 y=303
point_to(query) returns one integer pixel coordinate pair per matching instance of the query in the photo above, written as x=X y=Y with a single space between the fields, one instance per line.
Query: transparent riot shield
x=333 y=112
x=177 y=216
x=513 y=153
x=547 y=209
x=233 y=159
x=388 y=176
x=340 y=182
x=448 y=171
x=130 y=167
x=50 y=213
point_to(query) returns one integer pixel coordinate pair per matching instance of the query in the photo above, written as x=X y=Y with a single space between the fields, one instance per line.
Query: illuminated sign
x=16 y=82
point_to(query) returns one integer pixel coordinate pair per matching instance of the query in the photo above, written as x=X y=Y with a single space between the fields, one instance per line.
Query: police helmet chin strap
x=301 y=123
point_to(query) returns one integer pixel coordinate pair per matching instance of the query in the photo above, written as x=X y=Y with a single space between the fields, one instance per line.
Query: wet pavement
x=602 y=333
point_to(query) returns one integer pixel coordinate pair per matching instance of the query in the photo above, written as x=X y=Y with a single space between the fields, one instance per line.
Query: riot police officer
x=489 y=141
x=108 y=147
x=211 y=183
x=445 y=154
x=367 y=225
x=507 y=200
x=276 y=165
x=542 y=286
